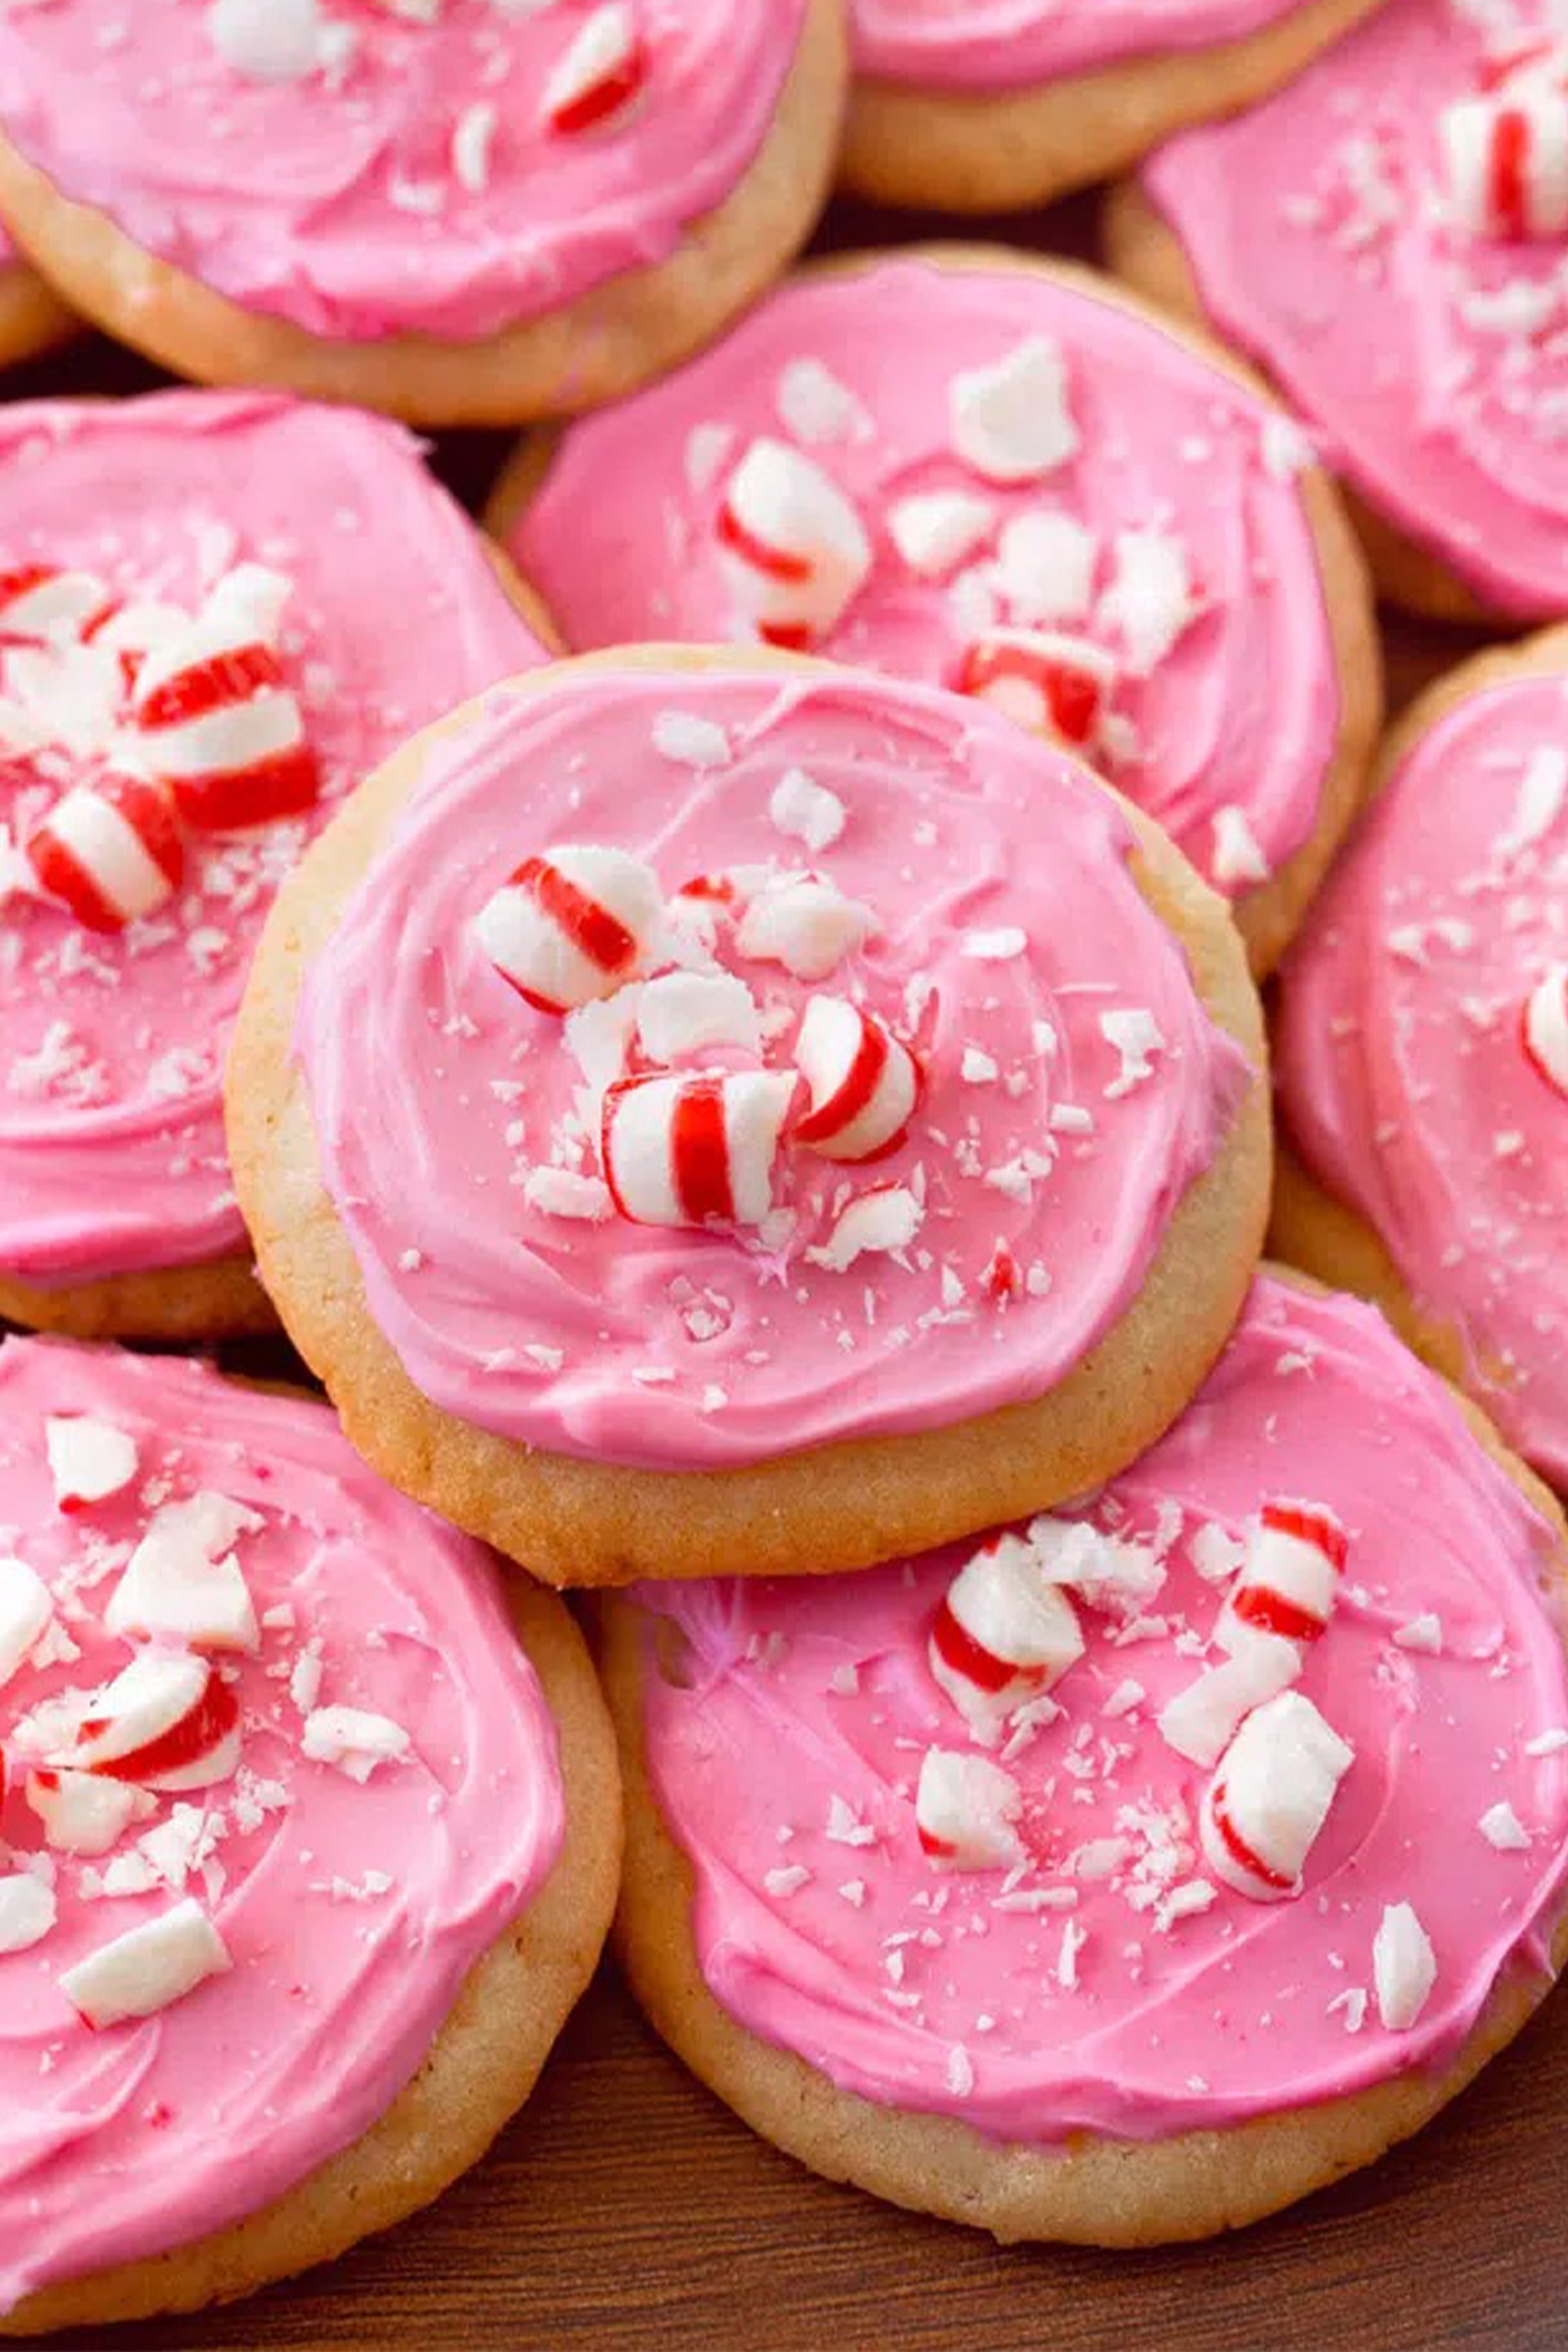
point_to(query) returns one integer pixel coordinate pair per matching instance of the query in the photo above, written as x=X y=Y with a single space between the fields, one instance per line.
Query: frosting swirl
x=1325 y=241
x=1225 y=710
x=1405 y=1075
x=1074 y=1085
x=112 y=1154
x=384 y=171
x=1006 y=44
x=351 y=1911
x=1083 y=1991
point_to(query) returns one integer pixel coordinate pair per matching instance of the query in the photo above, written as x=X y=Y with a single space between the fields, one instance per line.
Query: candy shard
x=167 y=1721
x=27 y=1912
x=1055 y=685
x=1404 y=1968
x=885 y=1220
x=1546 y=1028
x=1200 y=1721
x=695 y=1151
x=1271 y=1795
x=353 y=1740
x=26 y=1608
x=1505 y=158
x=83 y=1813
x=148 y=1968
x=936 y=529
x=682 y=1012
x=571 y=926
x=792 y=547
x=1112 y=1573
x=964 y=1809
x=1002 y=1635
x=181 y=1581
x=805 y=924
x=110 y=851
x=89 y=1460
x=602 y=71
x=864 y=1083
x=1011 y=421
x=1290 y=1571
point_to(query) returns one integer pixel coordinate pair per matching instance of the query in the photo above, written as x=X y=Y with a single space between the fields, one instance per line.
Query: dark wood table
x=627 y=2208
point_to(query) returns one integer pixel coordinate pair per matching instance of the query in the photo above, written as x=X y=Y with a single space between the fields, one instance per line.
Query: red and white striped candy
x=1002 y=1635
x=169 y=1721
x=110 y=849
x=147 y=1968
x=40 y=604
x=696 y=1150
x=1295 y=1556
x=1508 y=161
x=572 y=927
x=215 y=719
x=793 y=550
x=1269 y=1799
x=602 y=71
x=1545 y=1026
x=1055 y=685
x=864 y=1084
x=965 y=1808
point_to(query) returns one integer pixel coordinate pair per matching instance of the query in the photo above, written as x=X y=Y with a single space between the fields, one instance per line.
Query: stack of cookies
x=720 y=1016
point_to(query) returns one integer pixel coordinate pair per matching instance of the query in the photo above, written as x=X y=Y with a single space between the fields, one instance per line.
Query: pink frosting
x=1434 y=364
x=943 y=1991
x=352 y=1914
x=436 y=1092
x=1402 y=1067
x=1006 y=44
x=370 y=198
x=1239 y=713
x=111 y=1152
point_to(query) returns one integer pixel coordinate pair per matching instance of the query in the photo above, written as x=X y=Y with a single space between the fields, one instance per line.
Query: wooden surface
x=626 y=2208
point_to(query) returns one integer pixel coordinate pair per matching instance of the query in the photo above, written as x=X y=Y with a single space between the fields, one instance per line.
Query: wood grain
x=626 y=2210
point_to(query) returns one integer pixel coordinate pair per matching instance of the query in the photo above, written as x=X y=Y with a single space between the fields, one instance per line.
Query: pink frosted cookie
x=216 y=614
x=1385 y=237
x=676 y=1115
x=279 y=1786
x=458 y=210
x=1156 y=1861
x=1002 y=476
x=979 y=105
x=31 y=319
x=1422 y=1043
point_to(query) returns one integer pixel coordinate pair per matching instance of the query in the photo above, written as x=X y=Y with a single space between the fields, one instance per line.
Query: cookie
x=1061 y=504
x=1347 y=215
x=874 y=1172
x=1423 y=1046
x=312 y=1835
x=31 y=319
x=961 y=108
x=217 y=613
x=460 y=213
x=1153 y=1866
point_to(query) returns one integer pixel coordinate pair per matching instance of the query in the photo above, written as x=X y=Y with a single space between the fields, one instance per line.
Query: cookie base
x=1091 y=2191
x=620 y=334
x=999 y=150
x=1143 y=250
x=183 y=1304
x=32 y=318
x=481 y=2066
x=581 y=1523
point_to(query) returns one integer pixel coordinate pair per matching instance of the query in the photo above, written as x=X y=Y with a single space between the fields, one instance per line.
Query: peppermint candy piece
x=600 y=74
x=864 y=1084
x=1545 y=1028
x=214 y=718
x=1290 y=1572
x=792 y=547
x=694 y=1151
x=168 y=1722
x=1001 y=1635
x=571 y=927
x=1055 y=685
x=1262 y=1812
x=964 y=1809
x=1506 y=159
x=147 y=1969
x=40 y=604
x=109 y=850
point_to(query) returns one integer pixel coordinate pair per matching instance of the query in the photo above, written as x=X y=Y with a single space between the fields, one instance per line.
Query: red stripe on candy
x=1509 y=163
x=1272 y=1613
x=216 y=684
x=1237 y=1849
x=775 y=560
x=1316 y=1527
x=592 y=929
x=232 y=800
x=210 y=1721
x=859 y=1082
x=605 y=97
x=1072 y=695
x=699 y=1154
x=958 y=1648
x=66 y=878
